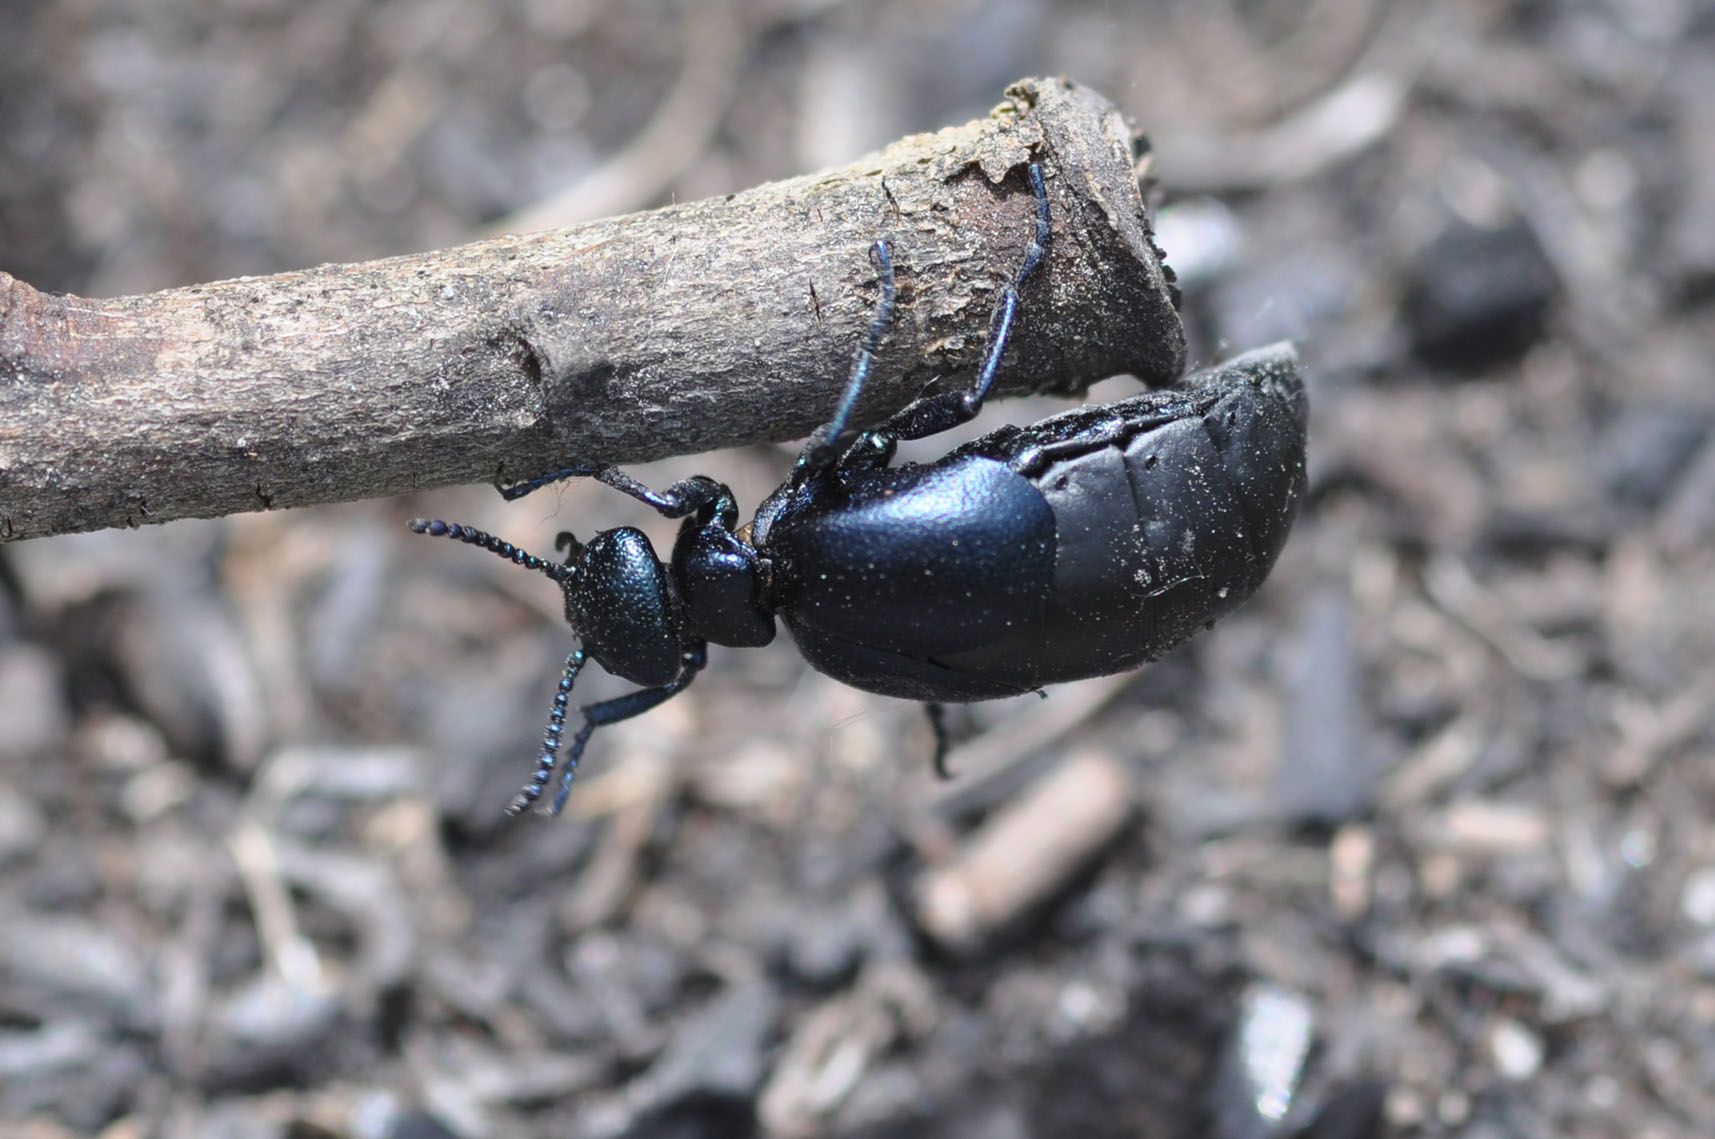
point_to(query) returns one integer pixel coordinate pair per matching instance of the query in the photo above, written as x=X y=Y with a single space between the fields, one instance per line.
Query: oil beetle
x=1086 y=544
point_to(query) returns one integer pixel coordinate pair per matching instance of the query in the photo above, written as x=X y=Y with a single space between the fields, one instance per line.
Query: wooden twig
x=698 y=326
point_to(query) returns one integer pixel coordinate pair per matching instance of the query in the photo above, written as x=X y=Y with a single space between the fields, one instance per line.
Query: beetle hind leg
x=937 y=714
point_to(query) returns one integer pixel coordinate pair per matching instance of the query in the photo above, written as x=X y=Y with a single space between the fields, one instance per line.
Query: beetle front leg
x=679 y=500
x=871 y=450
x=514 y=491
x=600 y=716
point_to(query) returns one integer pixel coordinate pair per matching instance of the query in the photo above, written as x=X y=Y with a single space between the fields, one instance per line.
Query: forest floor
x=1418 y=843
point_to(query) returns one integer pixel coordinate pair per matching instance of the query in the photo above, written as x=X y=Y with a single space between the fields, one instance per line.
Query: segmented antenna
x=471 y=536
x=561 y=573
x=550 y=757
x=579 y=742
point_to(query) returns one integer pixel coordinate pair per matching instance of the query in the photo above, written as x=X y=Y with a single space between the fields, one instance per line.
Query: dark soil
x=1423 y=831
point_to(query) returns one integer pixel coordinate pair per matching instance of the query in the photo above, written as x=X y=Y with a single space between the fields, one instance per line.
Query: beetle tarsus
x=512 y=492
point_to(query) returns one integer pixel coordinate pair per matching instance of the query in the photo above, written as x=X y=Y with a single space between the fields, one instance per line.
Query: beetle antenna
x=579 y=742
x=435 y=528
x=550 y=758
x=607 y=712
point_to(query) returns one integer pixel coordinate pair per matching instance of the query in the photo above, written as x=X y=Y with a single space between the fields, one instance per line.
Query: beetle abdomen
x=1153 y=545
x=1169 y=511
x=1086 y=544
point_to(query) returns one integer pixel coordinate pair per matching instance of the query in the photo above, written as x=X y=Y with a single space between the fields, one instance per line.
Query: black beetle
x=1086 y=544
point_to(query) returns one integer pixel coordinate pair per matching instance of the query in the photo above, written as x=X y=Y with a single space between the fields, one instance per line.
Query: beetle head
x=618 y=597
x=620 y=603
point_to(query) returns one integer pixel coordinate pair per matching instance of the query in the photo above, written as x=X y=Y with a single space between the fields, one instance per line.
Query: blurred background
x=1417 y=844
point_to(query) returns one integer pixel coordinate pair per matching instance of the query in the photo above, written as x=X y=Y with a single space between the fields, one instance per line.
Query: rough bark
x=697 y=326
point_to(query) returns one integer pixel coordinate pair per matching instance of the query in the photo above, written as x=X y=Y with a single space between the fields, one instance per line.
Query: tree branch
x=701 y=325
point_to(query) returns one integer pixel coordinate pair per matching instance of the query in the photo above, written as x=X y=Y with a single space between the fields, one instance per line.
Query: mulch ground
x=1417 y=844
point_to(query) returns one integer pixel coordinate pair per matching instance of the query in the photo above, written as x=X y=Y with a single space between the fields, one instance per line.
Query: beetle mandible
x=1085 y=544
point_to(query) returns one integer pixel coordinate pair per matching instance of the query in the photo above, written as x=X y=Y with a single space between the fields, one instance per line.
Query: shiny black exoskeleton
x=1086 y=544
